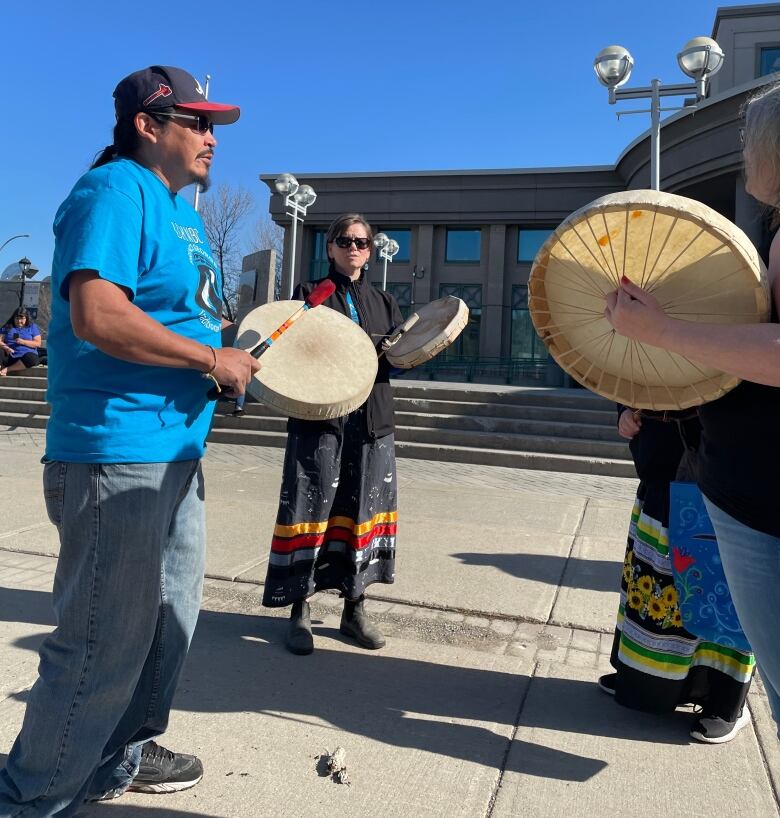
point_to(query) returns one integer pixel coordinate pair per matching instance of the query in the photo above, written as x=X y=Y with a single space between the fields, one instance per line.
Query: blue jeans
x=126 y=597
x=751 y=562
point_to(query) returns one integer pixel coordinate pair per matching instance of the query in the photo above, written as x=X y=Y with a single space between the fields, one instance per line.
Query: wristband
x=210 y=374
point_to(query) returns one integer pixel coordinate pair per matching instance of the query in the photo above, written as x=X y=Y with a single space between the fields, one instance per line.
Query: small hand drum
x=427 y=331
x=699 y=266
x=323 y=366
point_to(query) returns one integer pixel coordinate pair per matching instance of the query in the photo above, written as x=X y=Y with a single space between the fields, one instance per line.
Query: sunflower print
x=635 y=599
x=646 y=596
x=657 y=608
x=645 y=585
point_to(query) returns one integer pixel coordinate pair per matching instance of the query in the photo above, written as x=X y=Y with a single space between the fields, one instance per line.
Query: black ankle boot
x=355 y=623
x=299 y=639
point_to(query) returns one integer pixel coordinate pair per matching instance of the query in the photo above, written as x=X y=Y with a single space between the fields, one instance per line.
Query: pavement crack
x=559 y=586
x=502 y=769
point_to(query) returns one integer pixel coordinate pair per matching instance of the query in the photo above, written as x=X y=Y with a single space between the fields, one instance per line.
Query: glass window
x=525 y=343
x=769 y=60
x=404 y=239
x=318 y=267
x=403 y=295
x=466 y=345
x=463 y=245
x=529 y=242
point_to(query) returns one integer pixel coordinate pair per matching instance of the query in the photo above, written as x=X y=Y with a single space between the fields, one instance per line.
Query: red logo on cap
x=162 y=91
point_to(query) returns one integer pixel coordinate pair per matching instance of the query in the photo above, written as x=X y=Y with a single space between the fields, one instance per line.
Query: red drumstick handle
x=322 y=291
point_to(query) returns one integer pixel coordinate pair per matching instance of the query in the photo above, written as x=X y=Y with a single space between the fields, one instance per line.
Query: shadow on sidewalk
x=18 y=605
x=237 y=664
x=403 y=702
x=587 y=575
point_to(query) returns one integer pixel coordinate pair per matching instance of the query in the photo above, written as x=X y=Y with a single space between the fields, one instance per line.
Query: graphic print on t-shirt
x=207 y=293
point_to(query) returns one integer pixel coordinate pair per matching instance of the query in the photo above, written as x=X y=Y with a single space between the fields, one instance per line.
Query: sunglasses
x=346 y=241
x=201 y=123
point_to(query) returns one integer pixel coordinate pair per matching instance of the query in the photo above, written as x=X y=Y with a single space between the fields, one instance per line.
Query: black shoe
x=714 y=730
x=299 y=639
x=607 y=683
x=237 y=413
x=356 y=624
x=164 y=771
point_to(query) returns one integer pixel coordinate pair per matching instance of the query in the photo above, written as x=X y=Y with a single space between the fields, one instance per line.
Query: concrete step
x=25 y=381
x=520 y=460
x=605 y=417
x=514 y=442
x=247 y=437
x=521 y=425
x=462 y=454
x=515 y=395
x=22 y=393
x=23 y=419
x=552 y=429
x=23 y=406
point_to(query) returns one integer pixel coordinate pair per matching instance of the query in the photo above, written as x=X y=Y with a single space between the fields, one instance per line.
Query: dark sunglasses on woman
x=345 y=241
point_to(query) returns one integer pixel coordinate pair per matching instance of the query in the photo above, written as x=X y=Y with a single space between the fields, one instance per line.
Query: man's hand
x=234 y=370
x=635 y=313
x=629 y=424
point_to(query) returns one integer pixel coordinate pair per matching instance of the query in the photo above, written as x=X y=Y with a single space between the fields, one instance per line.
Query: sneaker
x=237 y=413
x=714 y=730
x=164 y=771
x=607 y=683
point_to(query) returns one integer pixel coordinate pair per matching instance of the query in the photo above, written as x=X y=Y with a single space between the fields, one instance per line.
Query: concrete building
x=475 y=233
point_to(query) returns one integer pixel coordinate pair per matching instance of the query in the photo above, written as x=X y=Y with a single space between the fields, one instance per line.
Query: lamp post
x=387 y=249
x=699 y=59
x=297 y=200
x=19 y=236
x=27 y=271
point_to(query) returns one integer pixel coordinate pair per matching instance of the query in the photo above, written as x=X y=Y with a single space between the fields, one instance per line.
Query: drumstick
x=323 y=290
x=395 y=336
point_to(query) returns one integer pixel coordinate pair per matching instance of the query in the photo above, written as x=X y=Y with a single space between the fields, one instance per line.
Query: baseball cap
x=162 y=86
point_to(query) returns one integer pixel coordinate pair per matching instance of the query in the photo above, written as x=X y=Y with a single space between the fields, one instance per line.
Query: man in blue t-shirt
x=134 y=346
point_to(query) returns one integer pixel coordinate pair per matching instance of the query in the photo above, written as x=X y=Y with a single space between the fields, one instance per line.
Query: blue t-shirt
x=10 y=334
x=122 y=221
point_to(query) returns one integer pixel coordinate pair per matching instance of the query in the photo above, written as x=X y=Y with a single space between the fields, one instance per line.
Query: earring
x=365 y=267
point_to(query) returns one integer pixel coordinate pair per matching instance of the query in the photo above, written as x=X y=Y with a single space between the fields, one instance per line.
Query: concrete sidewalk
x=484 y=702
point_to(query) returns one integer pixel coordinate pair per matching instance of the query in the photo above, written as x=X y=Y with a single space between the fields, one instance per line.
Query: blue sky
x=327 y=87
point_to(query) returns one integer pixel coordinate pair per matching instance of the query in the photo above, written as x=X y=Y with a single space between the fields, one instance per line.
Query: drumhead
x=698 y=264
x=323 y=366
x=439 y=323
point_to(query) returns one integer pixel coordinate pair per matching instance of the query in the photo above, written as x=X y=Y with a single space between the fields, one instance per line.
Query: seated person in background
x=20 y=339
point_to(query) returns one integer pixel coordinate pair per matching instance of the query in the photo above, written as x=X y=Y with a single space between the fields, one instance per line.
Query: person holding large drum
x=336 y=524
x=739 y=458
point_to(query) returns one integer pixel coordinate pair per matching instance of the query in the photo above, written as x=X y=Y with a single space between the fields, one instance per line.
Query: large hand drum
x=431 y=329
x=699 y=265
x=323 y=366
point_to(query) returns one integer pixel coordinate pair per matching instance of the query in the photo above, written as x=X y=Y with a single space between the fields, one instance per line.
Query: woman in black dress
x=336 y=524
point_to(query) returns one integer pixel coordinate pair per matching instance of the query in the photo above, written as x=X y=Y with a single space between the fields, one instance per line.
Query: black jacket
x=379 y=315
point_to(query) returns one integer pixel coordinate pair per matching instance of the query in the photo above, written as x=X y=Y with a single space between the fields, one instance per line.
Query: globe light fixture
x=387 y=249
x=297 y=200
x=613 y=66
x=700 y=58
x=286 y=184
